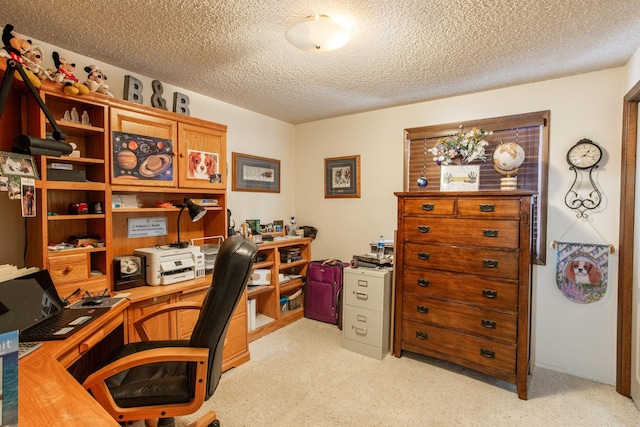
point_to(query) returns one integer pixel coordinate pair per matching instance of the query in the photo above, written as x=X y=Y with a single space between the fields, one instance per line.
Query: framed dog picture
x=202 y=157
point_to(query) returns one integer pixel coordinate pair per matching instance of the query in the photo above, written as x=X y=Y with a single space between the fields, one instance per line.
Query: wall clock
x=584 y=156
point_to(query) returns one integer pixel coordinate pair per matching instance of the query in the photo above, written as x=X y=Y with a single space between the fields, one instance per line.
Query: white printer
x=167 y=265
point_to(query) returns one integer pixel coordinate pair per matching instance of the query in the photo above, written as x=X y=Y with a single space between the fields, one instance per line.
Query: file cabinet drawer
x=364 y=291
x=363 y=325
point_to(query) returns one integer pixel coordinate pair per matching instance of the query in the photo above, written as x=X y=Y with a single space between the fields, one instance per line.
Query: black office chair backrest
x=231 y=272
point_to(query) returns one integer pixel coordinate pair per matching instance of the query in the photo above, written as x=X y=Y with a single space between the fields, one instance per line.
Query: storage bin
x=284 y=304
x=294 y=301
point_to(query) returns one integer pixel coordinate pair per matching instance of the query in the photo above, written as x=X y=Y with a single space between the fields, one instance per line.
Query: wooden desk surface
x=48 y=395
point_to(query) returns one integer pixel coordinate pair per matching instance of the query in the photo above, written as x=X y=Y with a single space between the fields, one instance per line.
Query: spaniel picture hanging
x=582 y=271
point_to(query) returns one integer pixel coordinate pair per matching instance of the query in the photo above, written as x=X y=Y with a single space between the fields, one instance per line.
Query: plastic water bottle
x=380 y=248
x=292 y=227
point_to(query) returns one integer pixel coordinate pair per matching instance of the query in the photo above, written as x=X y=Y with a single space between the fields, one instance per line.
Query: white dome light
x=317 y=33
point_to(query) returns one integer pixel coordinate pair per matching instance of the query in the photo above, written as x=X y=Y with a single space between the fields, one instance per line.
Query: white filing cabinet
x=367 y=311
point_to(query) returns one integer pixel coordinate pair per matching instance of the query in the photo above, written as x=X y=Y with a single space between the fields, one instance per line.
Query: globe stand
x=509 y=183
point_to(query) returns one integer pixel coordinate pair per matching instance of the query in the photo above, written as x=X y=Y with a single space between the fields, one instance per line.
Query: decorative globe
x=508 y=157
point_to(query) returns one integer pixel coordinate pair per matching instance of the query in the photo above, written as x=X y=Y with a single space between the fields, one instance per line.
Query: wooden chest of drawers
x=464 y=280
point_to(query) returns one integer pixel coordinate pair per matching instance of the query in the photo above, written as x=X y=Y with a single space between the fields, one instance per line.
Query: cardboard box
x=260 y=276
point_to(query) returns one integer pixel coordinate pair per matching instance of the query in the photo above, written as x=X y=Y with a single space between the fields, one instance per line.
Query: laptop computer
x=31 y=305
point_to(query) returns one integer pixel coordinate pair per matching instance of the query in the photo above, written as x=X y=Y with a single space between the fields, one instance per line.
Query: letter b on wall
x=132 y=89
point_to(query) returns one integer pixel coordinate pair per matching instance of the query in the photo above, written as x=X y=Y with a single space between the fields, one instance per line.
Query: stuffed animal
x=95 y=80
x=64 y=74
x=33 y=60
x=14 y=47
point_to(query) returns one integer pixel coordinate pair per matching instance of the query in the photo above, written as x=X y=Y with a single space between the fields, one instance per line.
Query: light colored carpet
x=301 y=376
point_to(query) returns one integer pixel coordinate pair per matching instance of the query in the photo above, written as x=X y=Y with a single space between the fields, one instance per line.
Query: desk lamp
x=29 y=144
x=196 y=212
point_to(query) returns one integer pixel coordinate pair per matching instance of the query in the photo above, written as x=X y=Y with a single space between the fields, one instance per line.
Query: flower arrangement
x=461 y=147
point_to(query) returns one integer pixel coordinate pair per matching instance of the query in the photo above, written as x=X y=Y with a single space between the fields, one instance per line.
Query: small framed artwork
x=16 y=164
x=28 y=197
x=459 y=177
x=252 y=173
x=342 y=177
x=143 y=159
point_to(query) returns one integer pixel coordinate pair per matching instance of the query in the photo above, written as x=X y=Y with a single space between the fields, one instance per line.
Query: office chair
x=162 y=379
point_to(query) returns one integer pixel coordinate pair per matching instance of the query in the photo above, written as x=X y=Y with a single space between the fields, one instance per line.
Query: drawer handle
x=361 y=318
x=428 y=206
x=363 y=283
x=489 y=324
x=423 y=283
x=490 y=263
x=423 y=228
x=487 y=208
x=489 y=233
x=424 y=256
x=362 y=295
x=422 y=335
x=361 y=331
x=489 y=354
x=489 y=293
x=423 y=309
x=68 y=269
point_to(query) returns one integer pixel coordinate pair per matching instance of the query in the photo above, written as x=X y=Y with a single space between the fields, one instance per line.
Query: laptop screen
x=27 y=300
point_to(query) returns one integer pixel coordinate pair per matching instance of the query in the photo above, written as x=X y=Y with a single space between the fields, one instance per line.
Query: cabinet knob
x=423 y=228
x=424 y=256
x=422 y=335
x=68 y=269
x=422 y=309
x=423 y=283
x=490 y=263
x=490 y=233
x=489 y=293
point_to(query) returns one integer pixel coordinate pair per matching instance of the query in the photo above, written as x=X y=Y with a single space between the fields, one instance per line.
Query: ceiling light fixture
x=317 y=33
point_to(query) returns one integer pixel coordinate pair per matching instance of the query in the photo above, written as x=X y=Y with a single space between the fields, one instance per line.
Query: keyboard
x=60 y=325
x=25 y=348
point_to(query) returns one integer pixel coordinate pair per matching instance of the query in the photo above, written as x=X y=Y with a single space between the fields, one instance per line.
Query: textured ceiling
x=401 y=51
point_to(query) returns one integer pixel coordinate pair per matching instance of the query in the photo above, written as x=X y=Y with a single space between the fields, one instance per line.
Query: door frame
x=625 y=252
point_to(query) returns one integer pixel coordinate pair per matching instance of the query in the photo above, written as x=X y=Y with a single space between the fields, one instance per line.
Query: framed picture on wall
x=16 y=164
x=342 y=177
x=253 y=173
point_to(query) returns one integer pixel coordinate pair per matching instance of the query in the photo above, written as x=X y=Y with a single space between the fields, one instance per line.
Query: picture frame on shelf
x=253 y=173
x=342 y=177
x=16 y=164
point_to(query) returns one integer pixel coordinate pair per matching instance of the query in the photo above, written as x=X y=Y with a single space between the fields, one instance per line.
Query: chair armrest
x=177 y=306
x=95 y=383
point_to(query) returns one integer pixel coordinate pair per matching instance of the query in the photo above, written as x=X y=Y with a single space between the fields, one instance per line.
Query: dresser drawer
x=68 y=268
x=362 y=325
x=479 y=232
x=488 y=207
x=489 y=293
x=419 y=336
x=462 y=317
x=429 y=206
x=485 y=262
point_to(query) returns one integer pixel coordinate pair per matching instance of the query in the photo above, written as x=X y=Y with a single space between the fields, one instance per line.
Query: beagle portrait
x=583 y=272
x=201 y=165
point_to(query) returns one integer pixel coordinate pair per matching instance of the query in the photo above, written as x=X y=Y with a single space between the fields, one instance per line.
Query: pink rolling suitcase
x=323 y=295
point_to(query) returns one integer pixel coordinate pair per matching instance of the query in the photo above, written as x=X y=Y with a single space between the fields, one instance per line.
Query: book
x=9 y=378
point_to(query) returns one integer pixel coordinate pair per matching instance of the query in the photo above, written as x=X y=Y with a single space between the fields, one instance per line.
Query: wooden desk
x=48 y=395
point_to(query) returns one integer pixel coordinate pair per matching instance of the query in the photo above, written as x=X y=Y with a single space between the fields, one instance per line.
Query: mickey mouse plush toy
x=64 y=74
x=14 y=48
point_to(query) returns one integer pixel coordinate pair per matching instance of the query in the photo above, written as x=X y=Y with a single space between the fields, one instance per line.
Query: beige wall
x=574 y=338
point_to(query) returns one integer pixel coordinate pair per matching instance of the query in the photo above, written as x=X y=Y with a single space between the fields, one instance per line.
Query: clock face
x=584 y=155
